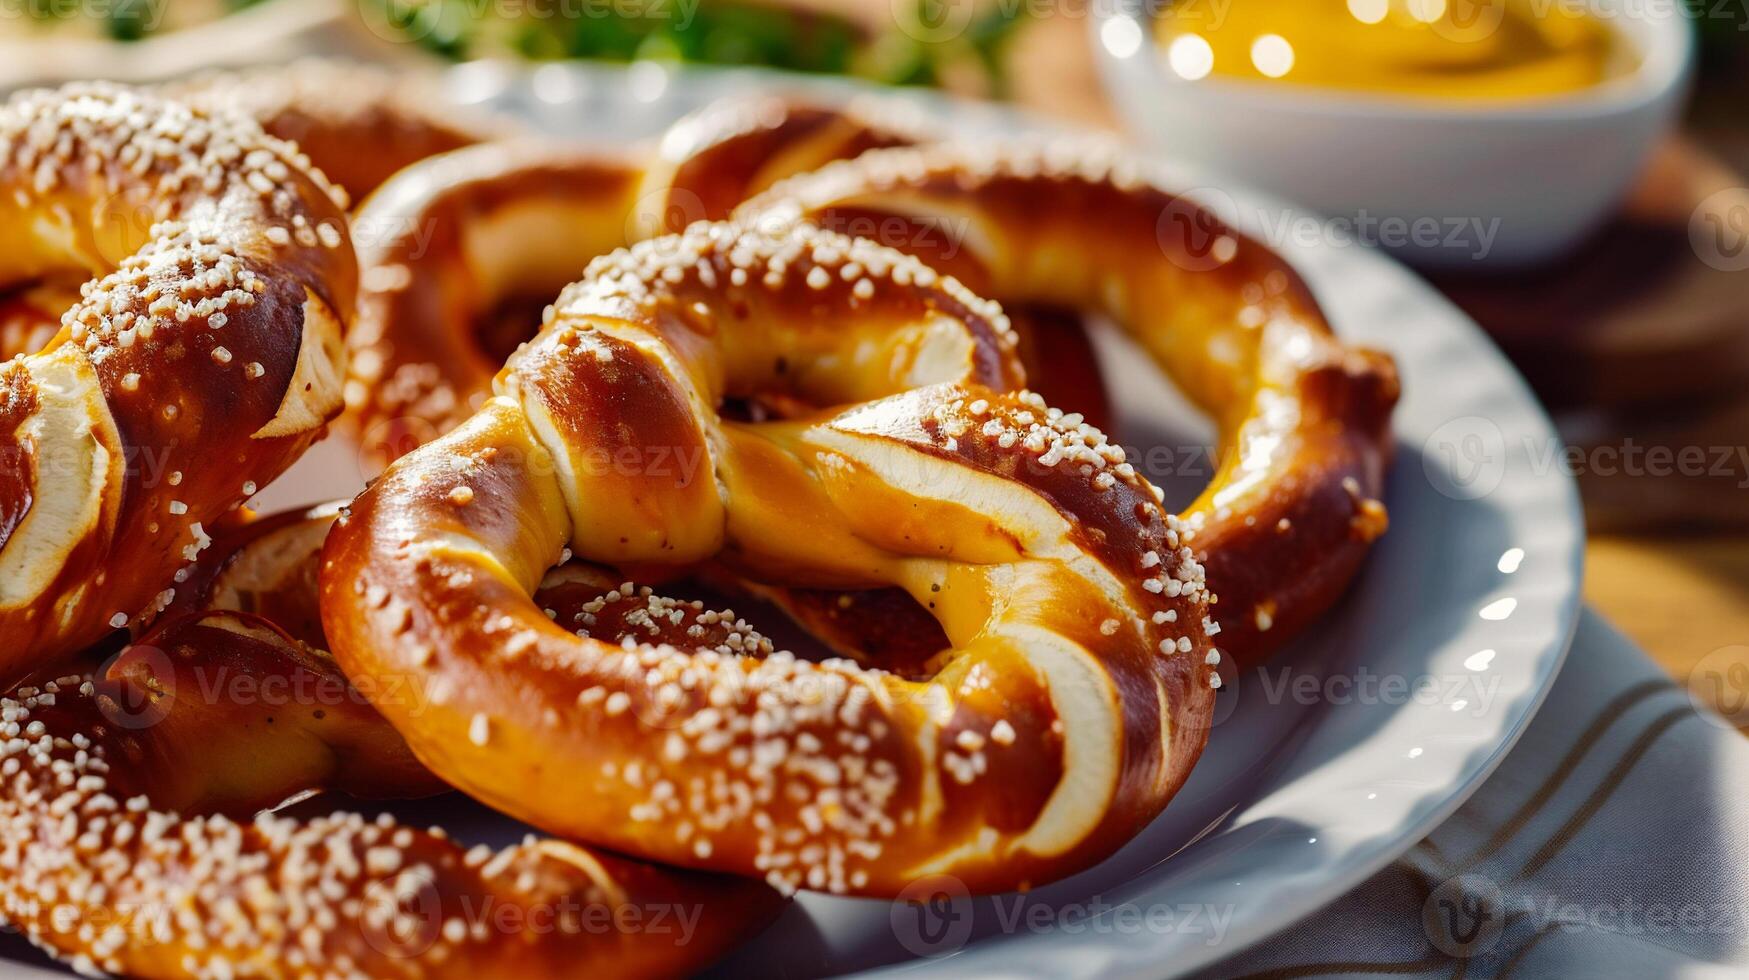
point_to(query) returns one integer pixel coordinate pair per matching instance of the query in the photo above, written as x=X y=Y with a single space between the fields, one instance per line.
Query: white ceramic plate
x=1317 y=775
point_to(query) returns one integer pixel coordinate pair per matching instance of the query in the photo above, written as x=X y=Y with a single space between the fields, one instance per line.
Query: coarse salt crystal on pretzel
x=205 y=354
x=129 y=835
x=1076 y=694
x=98 y=873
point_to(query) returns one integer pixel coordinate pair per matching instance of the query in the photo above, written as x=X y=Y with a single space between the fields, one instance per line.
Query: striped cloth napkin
x=1610 y=843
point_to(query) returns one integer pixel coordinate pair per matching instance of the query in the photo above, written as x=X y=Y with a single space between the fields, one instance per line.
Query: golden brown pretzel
x=1304 y=420
x=1070 y=707
x=461 y=251
x=447 y=248
x=201 y=361
x=103 y=874
x=228 y=707
x=358 y=123
x=248 y=608
x=712 y=160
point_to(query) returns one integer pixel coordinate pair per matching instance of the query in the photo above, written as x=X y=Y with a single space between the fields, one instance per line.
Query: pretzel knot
x=199 y=363
x=1070 y=705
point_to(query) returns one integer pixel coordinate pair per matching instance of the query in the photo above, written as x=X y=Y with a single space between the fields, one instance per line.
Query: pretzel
x=359 y=124
x=461 y=251
x=229 y=707
x=105 y=876
x=244 y=622
x=1079 y=686
x=198 y=365
x=1303 y=419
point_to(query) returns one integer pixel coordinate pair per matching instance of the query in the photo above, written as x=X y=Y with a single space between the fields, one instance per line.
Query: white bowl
x=1443 y=183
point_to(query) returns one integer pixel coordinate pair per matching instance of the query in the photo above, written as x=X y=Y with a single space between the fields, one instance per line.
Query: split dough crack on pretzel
x=204 y=356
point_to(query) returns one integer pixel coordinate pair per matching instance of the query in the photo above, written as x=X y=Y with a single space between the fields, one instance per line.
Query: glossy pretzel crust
x=459 y=251
x=1303 y=419
x=132 y=804
x=105 y=877
x=1070 y=707
x=198 y=364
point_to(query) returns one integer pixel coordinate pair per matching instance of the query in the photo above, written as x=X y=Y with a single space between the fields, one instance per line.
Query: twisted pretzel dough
x=1078 y=689
x=99 y=872
x=1304 y=420
x=461 y=251
x=228 y=707
x=249 y=609
x=201 y=361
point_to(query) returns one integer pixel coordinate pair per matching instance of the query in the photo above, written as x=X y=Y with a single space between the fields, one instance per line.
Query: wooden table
x=1634 y=338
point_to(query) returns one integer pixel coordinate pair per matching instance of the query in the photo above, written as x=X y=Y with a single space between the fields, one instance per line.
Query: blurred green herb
x=714 y=32
x=717 y=32
x=123 y=20
x=129 y=20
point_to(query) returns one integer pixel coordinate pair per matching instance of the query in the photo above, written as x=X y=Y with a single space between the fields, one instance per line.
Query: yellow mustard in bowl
x=1448 y=49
